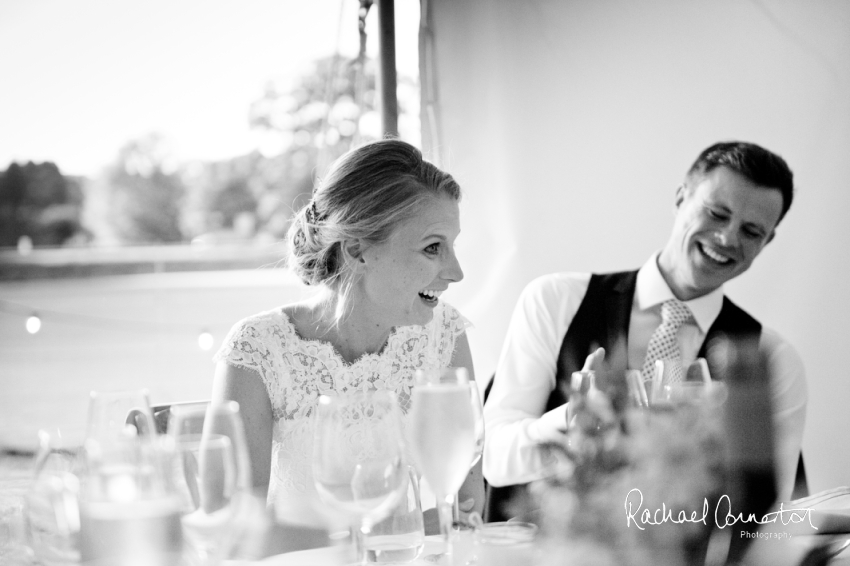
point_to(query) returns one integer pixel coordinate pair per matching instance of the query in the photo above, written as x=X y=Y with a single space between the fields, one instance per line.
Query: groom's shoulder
x=556 y=285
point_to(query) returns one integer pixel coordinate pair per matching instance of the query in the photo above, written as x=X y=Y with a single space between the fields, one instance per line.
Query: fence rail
x=50 y=263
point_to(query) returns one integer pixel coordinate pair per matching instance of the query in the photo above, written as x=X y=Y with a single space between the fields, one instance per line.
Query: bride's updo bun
x=365 y=195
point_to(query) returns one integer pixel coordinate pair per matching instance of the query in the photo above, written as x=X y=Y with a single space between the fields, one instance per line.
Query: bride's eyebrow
x=431 y=235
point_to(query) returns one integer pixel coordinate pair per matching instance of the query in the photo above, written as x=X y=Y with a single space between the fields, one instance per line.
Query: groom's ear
x=352 y=254
x=681 y=193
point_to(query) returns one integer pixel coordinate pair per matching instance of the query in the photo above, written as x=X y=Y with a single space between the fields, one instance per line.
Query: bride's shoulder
x=450 y=317
x=294 y=312
x=266 y=321
x=302 y=318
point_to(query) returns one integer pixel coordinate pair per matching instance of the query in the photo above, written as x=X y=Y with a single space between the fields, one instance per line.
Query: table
x=340 y=555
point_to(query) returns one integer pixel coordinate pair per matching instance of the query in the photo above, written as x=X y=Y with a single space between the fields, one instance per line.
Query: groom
x=728 y=207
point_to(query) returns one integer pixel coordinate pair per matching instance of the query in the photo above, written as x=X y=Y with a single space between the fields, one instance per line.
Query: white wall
x=570 y=124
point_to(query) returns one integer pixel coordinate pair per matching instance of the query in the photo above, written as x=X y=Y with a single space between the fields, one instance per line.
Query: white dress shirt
x=514 y=413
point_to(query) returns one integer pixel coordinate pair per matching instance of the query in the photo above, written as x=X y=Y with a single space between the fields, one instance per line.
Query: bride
x=377 y=239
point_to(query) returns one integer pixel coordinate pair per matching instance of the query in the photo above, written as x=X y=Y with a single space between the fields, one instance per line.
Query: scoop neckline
x=330 y=346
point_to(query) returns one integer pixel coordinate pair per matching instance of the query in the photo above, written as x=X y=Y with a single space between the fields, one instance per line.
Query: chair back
x=161 y=416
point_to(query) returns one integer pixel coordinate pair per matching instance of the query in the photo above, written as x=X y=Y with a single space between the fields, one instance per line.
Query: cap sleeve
x=450 y=324
x=247 y=346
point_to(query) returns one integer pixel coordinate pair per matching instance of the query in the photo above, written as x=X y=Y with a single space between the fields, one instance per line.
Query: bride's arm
x=246 y=388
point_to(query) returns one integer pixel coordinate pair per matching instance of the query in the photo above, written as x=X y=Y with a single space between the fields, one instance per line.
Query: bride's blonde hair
x=367 y=193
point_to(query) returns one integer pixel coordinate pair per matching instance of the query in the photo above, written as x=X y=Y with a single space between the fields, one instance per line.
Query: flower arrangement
x=631 y=486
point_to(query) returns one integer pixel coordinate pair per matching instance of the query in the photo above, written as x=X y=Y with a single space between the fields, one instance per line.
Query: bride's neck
x=348 y=327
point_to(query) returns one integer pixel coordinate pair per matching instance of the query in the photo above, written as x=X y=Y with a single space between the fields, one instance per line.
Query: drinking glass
x=119 y=464
x=128 y=508
x=358 y=459
x=695 y=393
x=212 y=475
x=478 y=416
x=442 y=436
x=666 y=373
x=116 y=413
x=692 y=385
x=127 y=504
x=50 y=512
x=400 y=537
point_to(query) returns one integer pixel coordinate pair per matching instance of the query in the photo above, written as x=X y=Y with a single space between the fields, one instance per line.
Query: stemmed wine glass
x=442 y=428
x=211 y=472
x=358 y=458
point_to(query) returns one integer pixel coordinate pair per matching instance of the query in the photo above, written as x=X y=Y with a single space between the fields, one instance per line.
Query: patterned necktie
x=664 y=345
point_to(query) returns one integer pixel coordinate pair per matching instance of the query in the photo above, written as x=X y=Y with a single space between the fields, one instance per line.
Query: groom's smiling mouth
x=714 y=255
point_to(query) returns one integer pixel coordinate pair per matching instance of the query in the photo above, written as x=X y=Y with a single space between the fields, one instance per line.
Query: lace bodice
x=296 y=372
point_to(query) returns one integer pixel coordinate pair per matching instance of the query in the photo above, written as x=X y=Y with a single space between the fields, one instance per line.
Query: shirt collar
x=652 y=290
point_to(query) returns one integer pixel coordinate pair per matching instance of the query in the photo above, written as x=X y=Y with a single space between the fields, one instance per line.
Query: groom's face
x=723 y=221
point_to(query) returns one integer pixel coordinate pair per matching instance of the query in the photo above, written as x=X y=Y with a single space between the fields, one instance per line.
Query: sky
x=80 y=78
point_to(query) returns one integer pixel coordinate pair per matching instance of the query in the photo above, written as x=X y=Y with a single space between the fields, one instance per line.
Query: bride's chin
x=424 y=316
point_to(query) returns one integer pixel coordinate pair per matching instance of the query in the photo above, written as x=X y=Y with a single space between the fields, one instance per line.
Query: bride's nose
x=452 y=271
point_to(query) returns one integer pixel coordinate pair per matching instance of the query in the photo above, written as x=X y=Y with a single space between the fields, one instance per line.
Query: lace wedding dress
x=297 y=371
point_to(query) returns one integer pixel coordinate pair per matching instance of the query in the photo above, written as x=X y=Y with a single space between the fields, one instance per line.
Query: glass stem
x=358 y=537
x=445 y=508
x=455 y=511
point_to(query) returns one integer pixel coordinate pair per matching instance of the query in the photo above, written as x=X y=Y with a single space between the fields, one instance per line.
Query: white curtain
x=570 y=124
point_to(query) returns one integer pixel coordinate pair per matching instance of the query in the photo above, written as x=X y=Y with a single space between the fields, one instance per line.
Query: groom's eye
x=715 y=214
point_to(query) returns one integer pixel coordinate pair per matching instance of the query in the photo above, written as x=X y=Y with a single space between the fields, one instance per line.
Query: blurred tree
x=330 y=108
x=13 y=187
x=145 y=192
x=305 y=124
x=38 y=202
x=235 y=199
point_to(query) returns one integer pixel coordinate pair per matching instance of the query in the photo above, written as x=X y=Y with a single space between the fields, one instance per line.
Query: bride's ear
x=352 y=255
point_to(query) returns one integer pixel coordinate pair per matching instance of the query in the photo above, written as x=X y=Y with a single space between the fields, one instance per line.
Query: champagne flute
x=443 y=435
x=358 y=459
x=478 y=416
x=212 y=475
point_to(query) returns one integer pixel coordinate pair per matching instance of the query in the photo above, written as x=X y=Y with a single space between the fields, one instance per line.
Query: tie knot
x=674 y=312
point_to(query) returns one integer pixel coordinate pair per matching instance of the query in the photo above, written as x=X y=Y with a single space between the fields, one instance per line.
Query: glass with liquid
x=401 y=536
x=130 y=533
x=358 y=459
x=128 y=509
x=442 y=436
